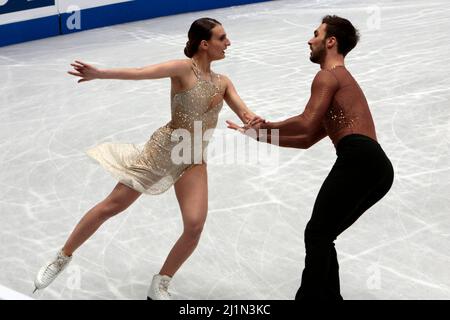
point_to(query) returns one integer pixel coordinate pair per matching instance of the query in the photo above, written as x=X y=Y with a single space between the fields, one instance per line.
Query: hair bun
x=187 y=50
x=199 y=30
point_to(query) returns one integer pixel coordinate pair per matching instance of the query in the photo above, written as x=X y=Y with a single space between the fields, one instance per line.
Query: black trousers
x=360 y=177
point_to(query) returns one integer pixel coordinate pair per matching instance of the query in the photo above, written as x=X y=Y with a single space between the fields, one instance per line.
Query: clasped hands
x=252 y=125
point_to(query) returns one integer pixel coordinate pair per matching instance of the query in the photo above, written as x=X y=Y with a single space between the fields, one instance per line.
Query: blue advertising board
x=25 y=20
x=8 y=6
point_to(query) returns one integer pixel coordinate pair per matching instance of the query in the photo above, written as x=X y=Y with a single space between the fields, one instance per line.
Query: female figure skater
x=197 y=95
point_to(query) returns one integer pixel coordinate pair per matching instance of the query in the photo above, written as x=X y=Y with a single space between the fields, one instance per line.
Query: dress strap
x=219 y=81
x=195 y=69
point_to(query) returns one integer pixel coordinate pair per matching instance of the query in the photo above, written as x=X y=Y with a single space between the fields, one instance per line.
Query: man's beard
x=318 y=56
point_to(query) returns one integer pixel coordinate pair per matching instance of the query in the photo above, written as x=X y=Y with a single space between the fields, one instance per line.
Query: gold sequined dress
x=154 y=167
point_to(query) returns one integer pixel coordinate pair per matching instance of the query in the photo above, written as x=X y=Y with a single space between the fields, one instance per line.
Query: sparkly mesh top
x=345 y=106
x=202 y=102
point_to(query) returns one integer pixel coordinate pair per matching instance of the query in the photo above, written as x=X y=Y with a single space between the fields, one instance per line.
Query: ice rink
x=252 y=244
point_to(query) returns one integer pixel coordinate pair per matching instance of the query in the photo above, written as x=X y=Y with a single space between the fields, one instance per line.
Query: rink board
x=21 y=20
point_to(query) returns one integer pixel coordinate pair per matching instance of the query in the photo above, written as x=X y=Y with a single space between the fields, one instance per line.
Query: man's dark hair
x=346 y=34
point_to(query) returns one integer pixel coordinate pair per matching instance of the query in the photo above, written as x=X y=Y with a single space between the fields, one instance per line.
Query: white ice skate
x=159 y=288
x=51 y=270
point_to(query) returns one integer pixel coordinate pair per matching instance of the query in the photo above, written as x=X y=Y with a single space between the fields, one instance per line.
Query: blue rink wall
x=23 y=20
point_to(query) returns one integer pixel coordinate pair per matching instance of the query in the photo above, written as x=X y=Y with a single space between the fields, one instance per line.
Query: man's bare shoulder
x=325 y=77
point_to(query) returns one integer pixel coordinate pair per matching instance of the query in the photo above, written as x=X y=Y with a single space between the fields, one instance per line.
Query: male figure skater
x=362 y=173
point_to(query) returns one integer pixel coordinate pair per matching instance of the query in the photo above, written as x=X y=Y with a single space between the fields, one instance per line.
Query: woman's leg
x=119 y=199
x=192 y=194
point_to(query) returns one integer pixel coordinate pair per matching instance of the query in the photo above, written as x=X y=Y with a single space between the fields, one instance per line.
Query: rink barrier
x=23 y=20
x=28 y=30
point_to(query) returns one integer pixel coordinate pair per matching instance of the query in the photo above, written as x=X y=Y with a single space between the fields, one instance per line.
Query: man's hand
x=252 y=121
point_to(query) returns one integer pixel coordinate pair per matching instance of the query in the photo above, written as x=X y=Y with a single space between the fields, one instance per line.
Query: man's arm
x=323 y=88
x=303 y=141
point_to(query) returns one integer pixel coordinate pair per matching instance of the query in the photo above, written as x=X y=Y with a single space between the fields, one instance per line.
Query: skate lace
x=164 y=286
x=58 y=263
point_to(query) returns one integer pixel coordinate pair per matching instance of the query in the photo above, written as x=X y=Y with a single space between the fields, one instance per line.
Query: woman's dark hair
x=346 y=34
x=199 y=30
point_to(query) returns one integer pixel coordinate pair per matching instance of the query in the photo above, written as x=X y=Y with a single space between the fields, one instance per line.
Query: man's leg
x=350 y=189
x=320 y=276
x=341 y=195
x=333 y=281
x=375 y=195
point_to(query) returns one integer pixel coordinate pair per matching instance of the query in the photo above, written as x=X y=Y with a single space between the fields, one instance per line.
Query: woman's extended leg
x=118 y=200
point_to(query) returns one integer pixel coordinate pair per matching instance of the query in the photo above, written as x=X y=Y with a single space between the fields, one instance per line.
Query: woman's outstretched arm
x=236 y=104
x=173 y=68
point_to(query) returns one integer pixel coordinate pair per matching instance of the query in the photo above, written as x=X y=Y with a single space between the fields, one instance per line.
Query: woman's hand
x=251 y=128
x=85 y=71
